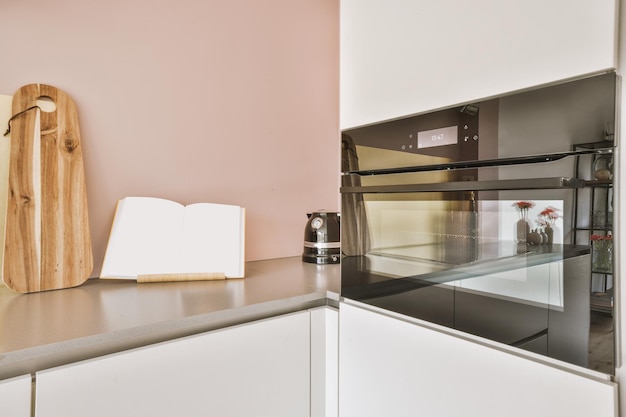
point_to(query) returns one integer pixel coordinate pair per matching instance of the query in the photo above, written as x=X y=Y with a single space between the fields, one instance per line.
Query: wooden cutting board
x=47 y=240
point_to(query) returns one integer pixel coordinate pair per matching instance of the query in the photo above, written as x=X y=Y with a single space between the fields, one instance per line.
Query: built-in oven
x=479 y=217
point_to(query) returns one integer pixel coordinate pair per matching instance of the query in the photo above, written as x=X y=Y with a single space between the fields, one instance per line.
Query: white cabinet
x=403 y=57
x=260 y=369
x=15 y=396
x=396 y=367
x=324 y=362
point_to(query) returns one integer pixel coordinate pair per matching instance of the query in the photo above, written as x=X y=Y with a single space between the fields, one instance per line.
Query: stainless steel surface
x=42 y=330
x=511 y=184
x=519 y=160
x=322 y=238
x=354 y=228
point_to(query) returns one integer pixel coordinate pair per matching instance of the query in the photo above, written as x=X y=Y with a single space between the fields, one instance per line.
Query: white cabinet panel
x=15 y=396
x=405 y=57
x=392 y=367
x=324 y=362
x=260 y=369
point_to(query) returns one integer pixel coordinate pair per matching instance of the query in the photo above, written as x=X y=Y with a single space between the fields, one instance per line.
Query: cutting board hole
x=46 y=104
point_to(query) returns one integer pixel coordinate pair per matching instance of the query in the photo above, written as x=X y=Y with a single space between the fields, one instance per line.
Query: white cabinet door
x=324 y=361
x=257 y=369
x=392 y=367
x=15 y=396
x=401 y=57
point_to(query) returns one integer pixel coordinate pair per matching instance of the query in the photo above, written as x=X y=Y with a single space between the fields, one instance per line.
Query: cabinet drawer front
x=261 y=368
x=388 y=366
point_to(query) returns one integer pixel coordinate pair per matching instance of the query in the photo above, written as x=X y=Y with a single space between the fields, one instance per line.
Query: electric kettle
x=321 y=238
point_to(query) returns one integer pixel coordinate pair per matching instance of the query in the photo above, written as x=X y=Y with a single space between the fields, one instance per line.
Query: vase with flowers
x=522 y=227
x=602 y=258
x=548 y=217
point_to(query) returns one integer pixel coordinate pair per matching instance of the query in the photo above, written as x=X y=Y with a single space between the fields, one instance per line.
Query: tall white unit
x=401 y=57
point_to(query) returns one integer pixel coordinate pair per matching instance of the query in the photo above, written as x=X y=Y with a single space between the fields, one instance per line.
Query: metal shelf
x=598 y=183
x=602 y=301
x=597 y=201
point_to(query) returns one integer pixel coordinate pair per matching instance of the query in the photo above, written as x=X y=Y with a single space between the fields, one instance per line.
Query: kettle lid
x=323 y=213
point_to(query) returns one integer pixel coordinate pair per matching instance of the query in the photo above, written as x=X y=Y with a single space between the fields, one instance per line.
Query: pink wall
x=223 y=101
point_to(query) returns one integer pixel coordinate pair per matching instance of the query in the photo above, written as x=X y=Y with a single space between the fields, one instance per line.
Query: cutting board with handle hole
x=47 y=239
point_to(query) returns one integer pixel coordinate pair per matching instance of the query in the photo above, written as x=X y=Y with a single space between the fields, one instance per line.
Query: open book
x=162 y=238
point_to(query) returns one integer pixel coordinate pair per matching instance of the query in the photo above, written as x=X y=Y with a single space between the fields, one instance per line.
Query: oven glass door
x=473 y=217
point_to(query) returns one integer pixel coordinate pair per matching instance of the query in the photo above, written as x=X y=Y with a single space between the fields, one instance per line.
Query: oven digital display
x=438 y=137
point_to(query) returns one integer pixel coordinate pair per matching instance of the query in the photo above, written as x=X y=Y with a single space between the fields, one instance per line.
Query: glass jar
x=602 y=168
x=602 y=258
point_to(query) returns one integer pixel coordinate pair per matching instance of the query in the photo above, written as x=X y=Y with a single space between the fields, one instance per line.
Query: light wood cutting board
x=5 y=151
x=47 y=240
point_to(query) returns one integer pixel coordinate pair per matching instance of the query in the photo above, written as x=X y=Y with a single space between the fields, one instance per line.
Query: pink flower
x=524 y=205
x=549 y=214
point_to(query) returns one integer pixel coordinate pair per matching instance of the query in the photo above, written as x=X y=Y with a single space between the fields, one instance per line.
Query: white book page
x=145 y=238
x=213 y=239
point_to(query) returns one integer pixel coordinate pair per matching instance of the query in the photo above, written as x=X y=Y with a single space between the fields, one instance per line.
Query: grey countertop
x=42 y=330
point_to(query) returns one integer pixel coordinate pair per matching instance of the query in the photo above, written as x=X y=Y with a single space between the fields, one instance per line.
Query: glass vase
x=522 y=230
x=550 y=234
x=535 y=238
x=602 y=258
x=602 y=168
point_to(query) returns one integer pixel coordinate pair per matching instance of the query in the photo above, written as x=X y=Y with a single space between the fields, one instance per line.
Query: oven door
x=476 y=231
x=482 y=266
